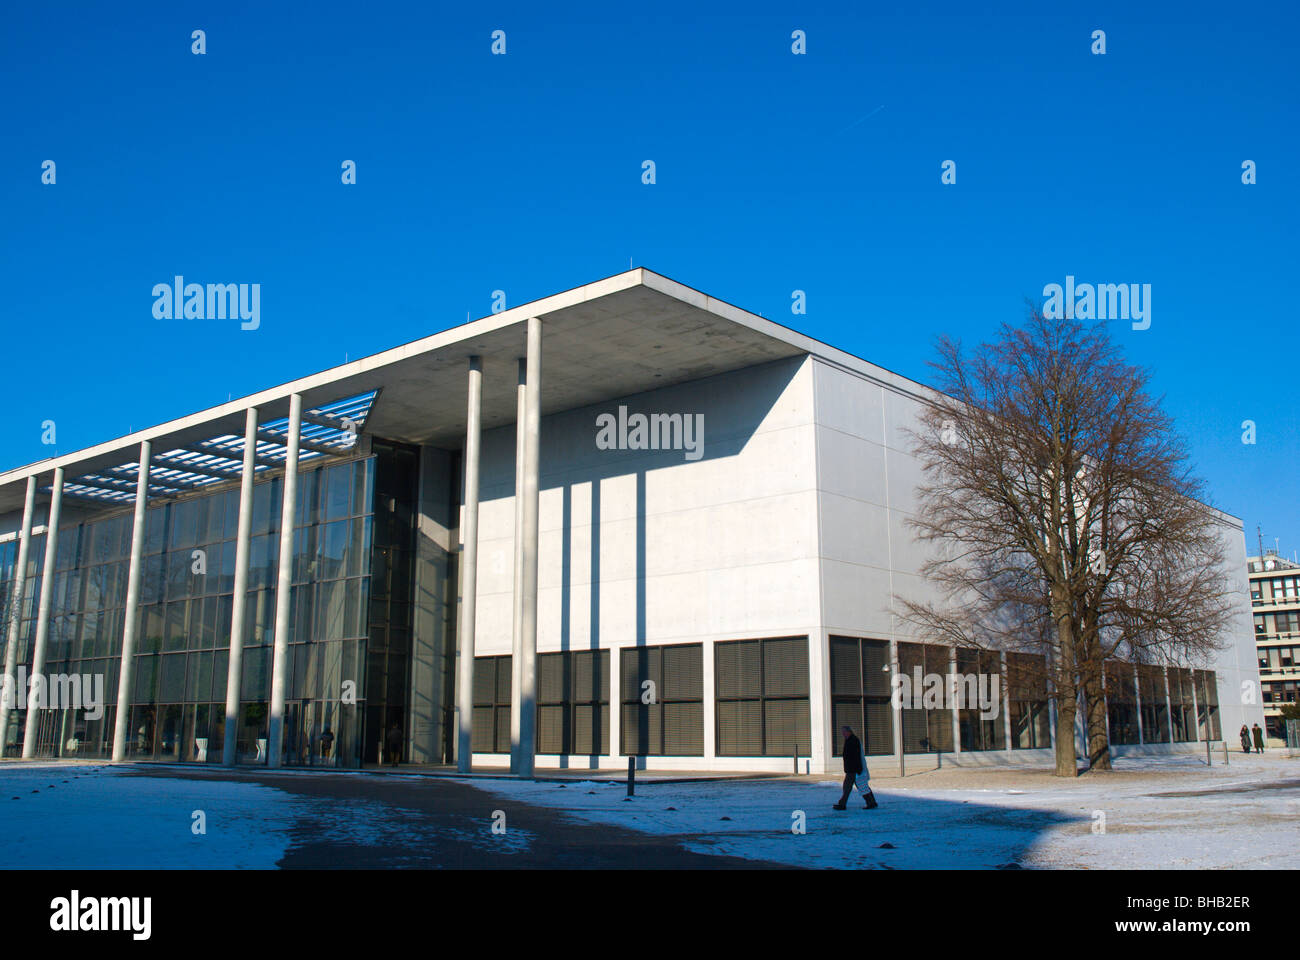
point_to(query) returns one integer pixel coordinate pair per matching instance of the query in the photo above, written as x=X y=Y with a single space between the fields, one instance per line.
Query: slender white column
x=469 y=570
x=284 y=586
x=528 y=612
x=234 y=673
x=953 y=708
x=1196 y=711
x=516 y=627
x=39 y=698
x=1137 y=703
x=1005 y=704
x=131 y=628
x=1169 y=710
x=895 y=705
x=9 y=698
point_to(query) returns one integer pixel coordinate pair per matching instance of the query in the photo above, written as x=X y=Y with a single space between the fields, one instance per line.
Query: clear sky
x=523 y=172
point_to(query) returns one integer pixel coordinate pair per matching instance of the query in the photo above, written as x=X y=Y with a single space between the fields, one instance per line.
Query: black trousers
x=849 y=779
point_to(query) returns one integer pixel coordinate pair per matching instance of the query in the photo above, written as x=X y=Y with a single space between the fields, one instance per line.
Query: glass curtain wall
x=186 y=601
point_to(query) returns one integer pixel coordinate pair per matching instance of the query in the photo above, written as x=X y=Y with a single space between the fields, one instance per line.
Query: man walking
x=855 y=771
x=1259 y=738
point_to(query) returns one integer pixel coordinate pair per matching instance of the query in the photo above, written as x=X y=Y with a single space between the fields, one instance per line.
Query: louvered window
x=663 y=700
x=762 y=697
x=573 y=702
x=491 y=705
x=926 y=729
x=860 y=672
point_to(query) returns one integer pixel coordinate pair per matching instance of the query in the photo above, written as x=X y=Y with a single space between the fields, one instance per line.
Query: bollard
x=902 y=764
x=1208 y=761
x=631 y=775
x=1225 y=753
x=796 y=761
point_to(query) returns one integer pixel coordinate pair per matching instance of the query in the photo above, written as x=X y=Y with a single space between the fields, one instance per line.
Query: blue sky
x=522 y=172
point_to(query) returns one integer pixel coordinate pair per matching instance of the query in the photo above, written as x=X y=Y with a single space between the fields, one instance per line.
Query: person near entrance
x=394 y=744
x=1259 y=738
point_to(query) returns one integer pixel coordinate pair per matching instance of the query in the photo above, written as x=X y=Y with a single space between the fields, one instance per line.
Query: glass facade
x=349 y=630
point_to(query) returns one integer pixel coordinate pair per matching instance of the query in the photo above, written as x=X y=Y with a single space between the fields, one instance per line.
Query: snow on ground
x=1242 y=816
x=1147 y=814
x=61 y=816
x=65 y=816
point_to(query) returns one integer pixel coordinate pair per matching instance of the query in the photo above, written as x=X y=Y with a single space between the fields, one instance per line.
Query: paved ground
x=434 y=822
x=64 y=816
x=1149 y=814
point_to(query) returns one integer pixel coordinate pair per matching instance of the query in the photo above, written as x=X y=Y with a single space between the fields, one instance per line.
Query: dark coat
x=852 y=754
x=1259 y=737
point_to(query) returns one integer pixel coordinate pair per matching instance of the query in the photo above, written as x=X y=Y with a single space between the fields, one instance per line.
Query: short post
x=795 y=750
x=1225 y=753
x=631 y=776
x=1208 y=761
x=902 y=764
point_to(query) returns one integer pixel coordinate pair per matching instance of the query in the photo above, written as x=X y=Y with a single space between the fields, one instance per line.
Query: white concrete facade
x=793 y=522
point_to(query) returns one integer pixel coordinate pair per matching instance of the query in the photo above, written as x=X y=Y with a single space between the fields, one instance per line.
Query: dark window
x=1121 y=703
x=860 y=673
x=1155 y=712
x=979 y=678
x=927 y=712
x=491 y=705
x=1182 y=709
x=1207 y=704
x=1031 y=724
x=762 y=697
x=672 y=724
x=573 y=702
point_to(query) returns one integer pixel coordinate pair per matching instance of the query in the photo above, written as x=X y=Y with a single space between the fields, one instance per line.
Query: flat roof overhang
x=623 y=335
x=632 y=332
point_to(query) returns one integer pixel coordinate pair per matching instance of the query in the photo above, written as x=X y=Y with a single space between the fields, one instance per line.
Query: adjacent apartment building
x=628 y=519
x=1275 y=600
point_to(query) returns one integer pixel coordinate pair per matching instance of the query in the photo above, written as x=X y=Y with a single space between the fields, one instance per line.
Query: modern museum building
x=624 y=520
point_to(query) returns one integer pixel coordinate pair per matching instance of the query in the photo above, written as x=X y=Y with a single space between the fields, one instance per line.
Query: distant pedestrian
x=855 y=772
x=1259 y=738
x=1245 y=739
x=326 y=741
x=394 y=744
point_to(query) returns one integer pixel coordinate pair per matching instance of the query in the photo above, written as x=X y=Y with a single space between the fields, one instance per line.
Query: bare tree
x=1066 y=519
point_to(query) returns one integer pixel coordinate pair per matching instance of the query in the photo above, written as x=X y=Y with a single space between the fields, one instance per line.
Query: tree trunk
x=1095 y=703
x=1067 y=693
x=1066 y=711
